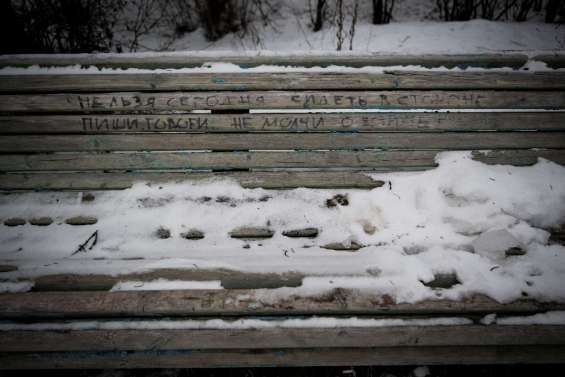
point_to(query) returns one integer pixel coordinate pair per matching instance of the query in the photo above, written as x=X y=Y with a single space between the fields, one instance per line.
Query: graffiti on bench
x=165 y=101
x=254 y=122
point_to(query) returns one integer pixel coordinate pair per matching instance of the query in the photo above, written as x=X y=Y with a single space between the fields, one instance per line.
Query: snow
x=548 y=318
x=425 y=224
x=414 y=30
x=15 y=286
x=291 y=35
x=239 y=324
x=488 y=319
x=233 y=68
x=421 y=372
x=495 y=242
x=469 y=37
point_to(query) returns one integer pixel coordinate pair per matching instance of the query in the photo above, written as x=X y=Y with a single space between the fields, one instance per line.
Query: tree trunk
x=377 y=12
x=320 y=10
x=217 y=16
x=551 y=10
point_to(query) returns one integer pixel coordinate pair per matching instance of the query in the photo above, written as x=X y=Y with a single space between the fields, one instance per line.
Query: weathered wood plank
x=518 y=157
x=363 y=122
x=231 y=302
x=396 y=80
x=216 y=161
x=555 y=61
x=278 y=141
x=279 y=338
x=116 y=181
x=229 y=279
x=538 y=354
x=168 y=61
x=187 y=101
x=258 y=160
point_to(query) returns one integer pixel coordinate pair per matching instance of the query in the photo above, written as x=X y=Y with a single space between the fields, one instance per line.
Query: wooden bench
x=65 y=133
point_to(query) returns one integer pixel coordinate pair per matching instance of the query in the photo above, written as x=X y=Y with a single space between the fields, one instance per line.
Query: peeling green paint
x=94 y=143
x=217 y=80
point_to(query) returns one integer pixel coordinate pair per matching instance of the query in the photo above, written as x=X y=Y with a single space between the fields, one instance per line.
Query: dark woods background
x=73 y=26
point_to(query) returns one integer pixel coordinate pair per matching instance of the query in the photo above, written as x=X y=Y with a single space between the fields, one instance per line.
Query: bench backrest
x=269 y=129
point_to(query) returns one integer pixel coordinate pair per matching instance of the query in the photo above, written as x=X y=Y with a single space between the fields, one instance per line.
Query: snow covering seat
x=221 y=216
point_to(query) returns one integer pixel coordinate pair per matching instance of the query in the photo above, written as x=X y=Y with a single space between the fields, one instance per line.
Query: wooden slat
x=229 y=279
x=186 y=101
x=279 y=338
x=257 y=160
x=555 y=61
x=518 y=157
x=278 y=141
x=215 y=161
x=116 y=181
x=364 y=122
x=538 y=354
x=282 y=81
x=168 y=61
x=233 y=302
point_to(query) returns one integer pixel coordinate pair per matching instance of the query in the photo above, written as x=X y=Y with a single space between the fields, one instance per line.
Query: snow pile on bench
x=484 y=227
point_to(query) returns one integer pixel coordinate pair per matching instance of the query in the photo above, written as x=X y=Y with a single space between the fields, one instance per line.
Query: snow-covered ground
x=415 y=29
x=468 y=37
x=463 y=217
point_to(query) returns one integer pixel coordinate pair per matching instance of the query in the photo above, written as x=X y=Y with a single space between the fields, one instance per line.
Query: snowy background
x=414 y=26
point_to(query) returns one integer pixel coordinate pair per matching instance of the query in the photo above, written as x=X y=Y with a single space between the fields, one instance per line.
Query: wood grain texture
x=253 y=347
x=555 y=61
x=7 y=268
x=187 y=101
x=396 y=80
x=538 y=354
x=278 y=141
x=164 y=60
x=116 y=181
x=344 y=122
x=225 y=161
x=230 y=279
x=376 y=160
x=219 y=160
x=279 y=338
x=518 y=157
x=228 y=302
